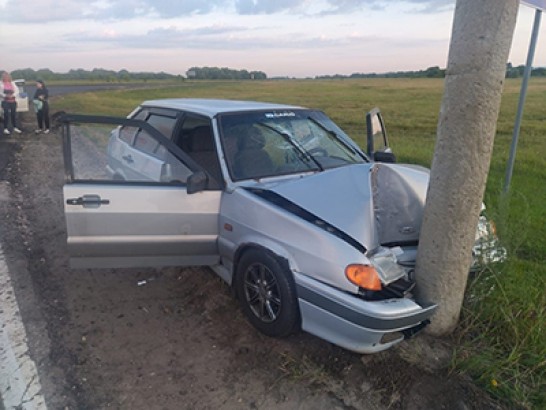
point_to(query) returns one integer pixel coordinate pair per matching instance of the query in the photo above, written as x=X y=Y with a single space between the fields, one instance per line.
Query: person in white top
x=8 y=91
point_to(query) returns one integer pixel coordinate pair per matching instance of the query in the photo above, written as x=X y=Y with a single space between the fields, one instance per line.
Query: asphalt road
x=173 y=338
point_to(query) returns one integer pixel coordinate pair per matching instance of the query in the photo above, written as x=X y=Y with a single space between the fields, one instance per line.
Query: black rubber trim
x=360 y=319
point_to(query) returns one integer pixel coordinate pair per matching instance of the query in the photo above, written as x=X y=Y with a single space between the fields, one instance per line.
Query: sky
x=293 y=38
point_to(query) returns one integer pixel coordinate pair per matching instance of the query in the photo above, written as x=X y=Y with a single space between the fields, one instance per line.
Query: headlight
x=385 y=262
x=382 y=270
x=364 y=276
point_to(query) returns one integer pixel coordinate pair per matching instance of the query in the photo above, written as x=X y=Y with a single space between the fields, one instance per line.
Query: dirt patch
x=175 y=338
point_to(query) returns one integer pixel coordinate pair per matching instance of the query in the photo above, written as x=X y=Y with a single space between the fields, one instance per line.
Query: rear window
x=163 y=124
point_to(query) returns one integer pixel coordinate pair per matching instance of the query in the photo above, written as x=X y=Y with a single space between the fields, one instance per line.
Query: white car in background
x=22 y=97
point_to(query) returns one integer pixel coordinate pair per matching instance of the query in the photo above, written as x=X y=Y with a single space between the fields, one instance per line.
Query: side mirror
x=384 y=156
x=377 y=141
x=197 y=182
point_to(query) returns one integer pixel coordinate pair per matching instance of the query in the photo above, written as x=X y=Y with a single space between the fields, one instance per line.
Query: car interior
x=198 y=143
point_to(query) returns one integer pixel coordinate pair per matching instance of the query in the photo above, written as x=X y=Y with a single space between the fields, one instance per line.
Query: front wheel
x=267 y=294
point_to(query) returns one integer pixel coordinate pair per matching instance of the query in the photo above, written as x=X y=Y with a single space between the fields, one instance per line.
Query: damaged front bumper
x=356 y=324
x=487 y=248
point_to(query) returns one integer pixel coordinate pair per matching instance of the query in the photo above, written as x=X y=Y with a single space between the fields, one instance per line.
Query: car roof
x=211 y=107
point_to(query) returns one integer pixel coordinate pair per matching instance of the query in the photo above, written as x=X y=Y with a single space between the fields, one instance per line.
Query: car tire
x=267 y=294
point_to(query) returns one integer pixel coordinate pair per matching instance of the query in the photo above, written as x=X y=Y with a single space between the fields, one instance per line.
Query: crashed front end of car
x=351 y=248
x=380 y=313
x=344 y=227
x=352 y=290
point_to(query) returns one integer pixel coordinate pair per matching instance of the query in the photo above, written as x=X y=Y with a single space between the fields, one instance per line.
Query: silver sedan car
x=310 y=231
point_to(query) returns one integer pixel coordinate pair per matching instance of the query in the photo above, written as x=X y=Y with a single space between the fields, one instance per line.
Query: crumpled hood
x=373 y=203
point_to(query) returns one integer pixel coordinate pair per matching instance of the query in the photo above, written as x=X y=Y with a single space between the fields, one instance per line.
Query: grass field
x=501 y=338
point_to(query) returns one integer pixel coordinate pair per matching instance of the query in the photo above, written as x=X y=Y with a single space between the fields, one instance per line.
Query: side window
x=185 y=135
x=98 y=154
x=378 y=134
x=196 y=138
x=127 y=134
x=163 y=124
x=145 y=143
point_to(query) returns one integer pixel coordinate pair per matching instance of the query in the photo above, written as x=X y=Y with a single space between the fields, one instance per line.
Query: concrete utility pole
x=480 y=43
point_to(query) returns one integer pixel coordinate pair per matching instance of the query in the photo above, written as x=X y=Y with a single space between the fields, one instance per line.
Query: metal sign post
x=539 y=5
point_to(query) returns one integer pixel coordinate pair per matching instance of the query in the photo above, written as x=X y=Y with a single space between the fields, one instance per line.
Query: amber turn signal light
x=364 y=276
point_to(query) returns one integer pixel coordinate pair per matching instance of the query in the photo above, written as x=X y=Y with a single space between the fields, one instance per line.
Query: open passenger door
x=377 y=141
x=132 y=198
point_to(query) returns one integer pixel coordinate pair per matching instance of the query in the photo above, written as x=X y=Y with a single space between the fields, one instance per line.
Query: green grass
x=501 y=338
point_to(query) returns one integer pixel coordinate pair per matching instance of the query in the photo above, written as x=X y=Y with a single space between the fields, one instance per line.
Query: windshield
x=266 y=143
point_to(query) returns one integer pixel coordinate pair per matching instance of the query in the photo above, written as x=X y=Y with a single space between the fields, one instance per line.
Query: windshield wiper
x=303 y=154
x=336 y=137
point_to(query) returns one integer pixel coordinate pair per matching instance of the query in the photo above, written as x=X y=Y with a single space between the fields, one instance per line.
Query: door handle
x=128 y=158
x=88 y=201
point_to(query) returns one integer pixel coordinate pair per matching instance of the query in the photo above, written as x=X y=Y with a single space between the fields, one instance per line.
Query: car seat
x=252 y=161
x=202 y=150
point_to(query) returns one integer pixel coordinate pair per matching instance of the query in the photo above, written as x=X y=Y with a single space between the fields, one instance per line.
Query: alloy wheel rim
x=262 y=292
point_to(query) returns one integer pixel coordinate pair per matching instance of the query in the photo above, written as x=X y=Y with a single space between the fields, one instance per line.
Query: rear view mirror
x=377 y=142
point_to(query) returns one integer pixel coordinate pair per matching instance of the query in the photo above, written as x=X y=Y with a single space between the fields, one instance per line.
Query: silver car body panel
x=252 y=221
x=399 y=194
x=211 y=107
x=329 y=304
x=373 y=203
x=354 y=323
x=142 y=226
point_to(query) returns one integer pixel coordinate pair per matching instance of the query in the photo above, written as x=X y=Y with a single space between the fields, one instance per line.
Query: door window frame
x=176 y=151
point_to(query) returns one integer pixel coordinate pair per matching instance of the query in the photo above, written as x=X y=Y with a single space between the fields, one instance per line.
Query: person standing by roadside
x=41 y=106
x=8 y=91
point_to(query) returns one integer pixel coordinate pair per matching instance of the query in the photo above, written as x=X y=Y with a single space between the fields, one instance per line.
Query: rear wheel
x=267 y=294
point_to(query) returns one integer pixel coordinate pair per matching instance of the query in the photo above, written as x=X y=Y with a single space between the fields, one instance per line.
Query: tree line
x=96 y=74
x=436 y=72
x=431 y=72
x=224 y=73
x=103 y=75
x=516 y=72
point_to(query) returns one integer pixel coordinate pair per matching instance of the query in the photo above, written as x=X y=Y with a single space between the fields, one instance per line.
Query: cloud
x=232 y=37
x=171 y=8
x=17 y=11
x=349 y=6
x=62 y=10
x=331 y=7
x=266 y=6
x=434 y=6
x=211 y=37
x=29 y=11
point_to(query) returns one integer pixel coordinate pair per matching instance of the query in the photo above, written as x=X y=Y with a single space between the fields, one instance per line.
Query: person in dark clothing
x=41 y=106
